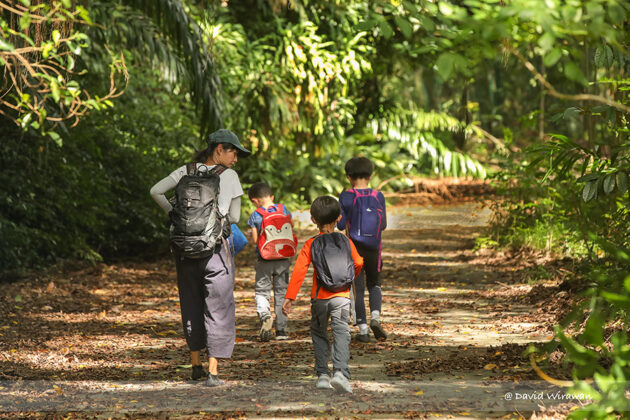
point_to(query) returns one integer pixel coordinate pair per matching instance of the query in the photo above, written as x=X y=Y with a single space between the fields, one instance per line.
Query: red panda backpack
x=276 y=239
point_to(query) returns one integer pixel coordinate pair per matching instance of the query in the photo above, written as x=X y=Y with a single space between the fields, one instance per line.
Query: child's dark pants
x=371 y=275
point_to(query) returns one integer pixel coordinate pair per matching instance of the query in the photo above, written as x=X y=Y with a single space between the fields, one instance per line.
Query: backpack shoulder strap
x=280 y=208
x=262 y=211
x=191 y=168
x=218 y=169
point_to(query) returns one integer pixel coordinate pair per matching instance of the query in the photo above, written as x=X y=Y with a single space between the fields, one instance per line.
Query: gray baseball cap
x=226 y=136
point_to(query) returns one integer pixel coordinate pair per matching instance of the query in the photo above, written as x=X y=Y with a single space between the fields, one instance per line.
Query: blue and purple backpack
x=366 y=217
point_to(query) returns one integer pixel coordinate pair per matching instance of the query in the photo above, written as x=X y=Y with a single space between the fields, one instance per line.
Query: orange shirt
x=301 y=267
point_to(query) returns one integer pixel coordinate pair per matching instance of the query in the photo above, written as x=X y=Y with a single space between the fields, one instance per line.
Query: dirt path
x=106 y=341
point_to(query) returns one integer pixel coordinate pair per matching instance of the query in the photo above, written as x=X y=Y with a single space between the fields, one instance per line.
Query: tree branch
x=560 y=95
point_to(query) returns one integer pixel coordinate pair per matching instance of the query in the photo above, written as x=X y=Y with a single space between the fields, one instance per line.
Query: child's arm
x=297 y=276
x=380 y=197
x=341 y=224
x=252 y=224
x=286 y=306
x=356 y=258
x=254 y=233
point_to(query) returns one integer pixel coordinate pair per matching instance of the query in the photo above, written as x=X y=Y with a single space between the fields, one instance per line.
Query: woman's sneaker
x=282 y=335
x=198 y=372
x=323 y=382
x=265 y=328
x=341 y=383
x=379 y=332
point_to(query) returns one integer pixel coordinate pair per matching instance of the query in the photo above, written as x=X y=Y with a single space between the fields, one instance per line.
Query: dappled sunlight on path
x=111 y=338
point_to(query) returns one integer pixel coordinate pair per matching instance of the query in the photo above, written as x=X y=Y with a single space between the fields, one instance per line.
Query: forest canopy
x=101 y=99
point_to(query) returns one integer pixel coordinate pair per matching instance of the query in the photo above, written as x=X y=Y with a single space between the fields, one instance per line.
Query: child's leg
x=373 y=280
x=339 y=309
x=280 y=285
x=359 y=293
x=264 y=273
x=319 y=334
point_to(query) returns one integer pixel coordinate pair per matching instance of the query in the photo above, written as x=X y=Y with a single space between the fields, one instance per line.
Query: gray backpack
x=196 y=224
x=332 y=258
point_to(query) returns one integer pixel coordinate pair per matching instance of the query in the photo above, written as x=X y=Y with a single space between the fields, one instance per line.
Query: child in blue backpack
x=364 y=217
x=272 y=233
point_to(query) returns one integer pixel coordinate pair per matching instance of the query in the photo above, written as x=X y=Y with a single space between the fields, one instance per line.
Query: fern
x=415 y=131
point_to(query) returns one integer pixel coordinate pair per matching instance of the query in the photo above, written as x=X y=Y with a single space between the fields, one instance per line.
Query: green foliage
x=40 y=45
x=89 y=199
x=163 y=34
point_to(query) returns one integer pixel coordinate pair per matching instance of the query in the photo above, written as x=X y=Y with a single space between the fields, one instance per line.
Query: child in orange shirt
x=336 y=263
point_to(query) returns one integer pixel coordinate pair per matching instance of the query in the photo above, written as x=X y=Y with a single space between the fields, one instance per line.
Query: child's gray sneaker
x=265 y=329
x=341 y=383
x=323 y=382
x=282 y=335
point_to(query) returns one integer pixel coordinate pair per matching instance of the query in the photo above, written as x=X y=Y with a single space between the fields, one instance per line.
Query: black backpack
x=332 y=259
x=196 y=224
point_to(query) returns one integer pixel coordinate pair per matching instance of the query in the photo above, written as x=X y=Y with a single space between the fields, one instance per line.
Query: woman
x=206 y=285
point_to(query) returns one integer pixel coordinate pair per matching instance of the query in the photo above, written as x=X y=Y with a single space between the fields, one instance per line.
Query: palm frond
x=166 y=36
x=415 y=132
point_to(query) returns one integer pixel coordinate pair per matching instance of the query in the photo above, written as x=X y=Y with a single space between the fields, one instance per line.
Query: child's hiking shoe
x=378 y=331
x=323 y=382
x=213 y=380
x=341 y=383
x=198 y=372
x=282 y=335
x=265 y=328
x=363 y=338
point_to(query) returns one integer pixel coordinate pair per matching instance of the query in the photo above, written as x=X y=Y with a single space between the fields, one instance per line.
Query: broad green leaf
x=56 y=138
x=609 y=183
x=6 y=45
x=578 y=353
x=547 y=41
x=445 y=64
x=622 y=182
x=25 y=21
x=552 y=57
x=590 y=191
x=617 y=299
x=593 y=331
x=604 y=56
x=56 y=36
x=55 y=91
x=573 y=72
x=366 y=25
x=386 y=30
x=445 y=8
x=404 y=26
x=588 y=177
x=616 y=11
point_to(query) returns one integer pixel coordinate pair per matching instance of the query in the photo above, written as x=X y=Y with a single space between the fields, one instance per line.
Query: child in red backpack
x=364 y=217
x=272 y=231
